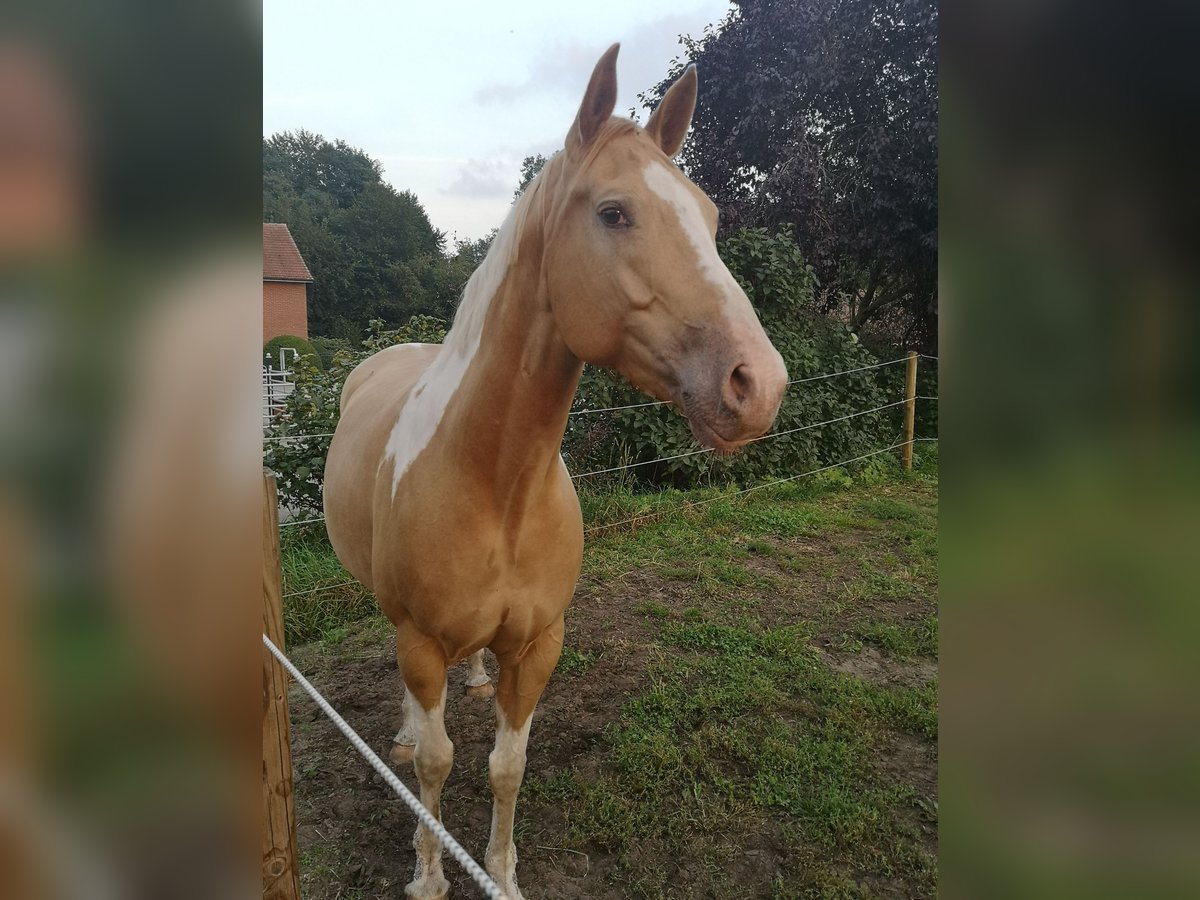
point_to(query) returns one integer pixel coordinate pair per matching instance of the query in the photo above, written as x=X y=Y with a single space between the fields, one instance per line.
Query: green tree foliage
x=530 y=166
x=824 y=116
x=372 y=250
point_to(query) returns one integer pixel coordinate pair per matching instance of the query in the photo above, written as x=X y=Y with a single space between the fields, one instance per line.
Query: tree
x=372 y=250
x=823 y=116
x=530 y=166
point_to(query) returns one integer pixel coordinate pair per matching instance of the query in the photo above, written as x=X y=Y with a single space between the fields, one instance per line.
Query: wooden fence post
x=910 y=410
x=281 y=876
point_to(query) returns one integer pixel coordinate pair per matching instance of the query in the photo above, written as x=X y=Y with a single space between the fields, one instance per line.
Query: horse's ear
x=669 y=123
x=598 y=101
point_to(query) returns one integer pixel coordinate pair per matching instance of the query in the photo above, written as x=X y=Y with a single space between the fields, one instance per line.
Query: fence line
x=754 y=441
x=648 y=462
x=472 y=868
x=658 y=513
x=584 y=412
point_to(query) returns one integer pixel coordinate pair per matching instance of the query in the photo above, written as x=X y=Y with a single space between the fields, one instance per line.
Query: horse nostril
x=741 y=382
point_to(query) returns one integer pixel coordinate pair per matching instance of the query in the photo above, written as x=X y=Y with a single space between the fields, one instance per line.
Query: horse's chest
x=457 y=569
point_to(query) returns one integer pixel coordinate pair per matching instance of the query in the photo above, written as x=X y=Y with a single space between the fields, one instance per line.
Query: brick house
x=287 y=284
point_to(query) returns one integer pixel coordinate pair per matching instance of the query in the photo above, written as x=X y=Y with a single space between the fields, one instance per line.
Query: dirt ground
x=341 y=803
x=355 y=836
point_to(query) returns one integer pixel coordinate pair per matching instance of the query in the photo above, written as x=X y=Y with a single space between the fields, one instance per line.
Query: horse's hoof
x=487 y=689
x=401 y=754
x=439 y=890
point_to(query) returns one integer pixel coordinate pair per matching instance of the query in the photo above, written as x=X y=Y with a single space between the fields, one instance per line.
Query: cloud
x=563 y=67
x=485 y=178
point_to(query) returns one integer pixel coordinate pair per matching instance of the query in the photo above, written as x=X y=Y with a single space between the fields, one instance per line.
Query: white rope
x=585 y=412
x=469 y=865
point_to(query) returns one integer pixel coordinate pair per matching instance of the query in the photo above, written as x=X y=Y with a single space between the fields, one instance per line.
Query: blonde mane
x=420 y=415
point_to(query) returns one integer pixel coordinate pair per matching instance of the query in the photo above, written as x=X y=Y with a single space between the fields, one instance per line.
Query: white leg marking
x=407 y=734
x=506 y=769
x=433 y=759
x=477 y=675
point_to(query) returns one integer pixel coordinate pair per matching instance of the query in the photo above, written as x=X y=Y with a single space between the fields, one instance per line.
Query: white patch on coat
x=427 y=401
x=506 y=763
x=670 y=188
x=668 y=185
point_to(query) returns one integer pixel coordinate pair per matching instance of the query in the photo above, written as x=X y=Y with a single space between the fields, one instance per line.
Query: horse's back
x=370 y=404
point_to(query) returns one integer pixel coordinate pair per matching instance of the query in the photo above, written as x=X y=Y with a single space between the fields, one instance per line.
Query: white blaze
x=670 y=188
x=668 y=185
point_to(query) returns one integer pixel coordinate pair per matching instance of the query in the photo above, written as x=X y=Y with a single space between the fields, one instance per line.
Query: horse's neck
x=508 y=419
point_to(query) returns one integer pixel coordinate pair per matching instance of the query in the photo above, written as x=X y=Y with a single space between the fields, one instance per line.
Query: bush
x=311 y=411
x=291 y=342
x=327 y=347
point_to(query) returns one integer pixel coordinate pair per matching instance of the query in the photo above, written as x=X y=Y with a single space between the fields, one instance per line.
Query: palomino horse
x=445 y=490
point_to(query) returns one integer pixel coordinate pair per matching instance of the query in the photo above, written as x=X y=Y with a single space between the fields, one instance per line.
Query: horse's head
x=633 y=275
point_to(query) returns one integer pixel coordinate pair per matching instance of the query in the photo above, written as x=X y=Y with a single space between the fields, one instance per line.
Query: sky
x=451 y=96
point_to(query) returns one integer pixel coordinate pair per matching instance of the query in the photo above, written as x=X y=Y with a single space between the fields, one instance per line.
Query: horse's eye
x=613 y=217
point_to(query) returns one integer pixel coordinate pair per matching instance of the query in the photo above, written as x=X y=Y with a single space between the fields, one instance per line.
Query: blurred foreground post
x=910 y=409
x=280 y=872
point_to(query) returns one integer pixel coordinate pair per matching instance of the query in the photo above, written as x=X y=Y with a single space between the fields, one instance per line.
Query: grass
x=323 y=607
x=751 y=725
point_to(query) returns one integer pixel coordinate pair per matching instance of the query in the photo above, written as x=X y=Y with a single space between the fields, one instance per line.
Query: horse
x=445 y=489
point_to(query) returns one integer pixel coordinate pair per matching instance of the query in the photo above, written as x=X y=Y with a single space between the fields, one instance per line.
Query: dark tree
x=530 y=166
x=823 y=116
x=372 y=250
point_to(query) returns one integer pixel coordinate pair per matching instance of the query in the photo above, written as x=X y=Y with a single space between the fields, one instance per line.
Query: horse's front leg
x=423 y=666
x=520 y=687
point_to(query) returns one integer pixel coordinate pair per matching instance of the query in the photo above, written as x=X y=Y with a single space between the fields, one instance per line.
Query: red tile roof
x=281 y=259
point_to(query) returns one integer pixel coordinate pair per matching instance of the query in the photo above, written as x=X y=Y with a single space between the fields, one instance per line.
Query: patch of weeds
x=334 y=635
x=888 y=509
x=883 y=585
x=575 y=662
x=681 y=573
x=651 y=609
x=904 y=642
